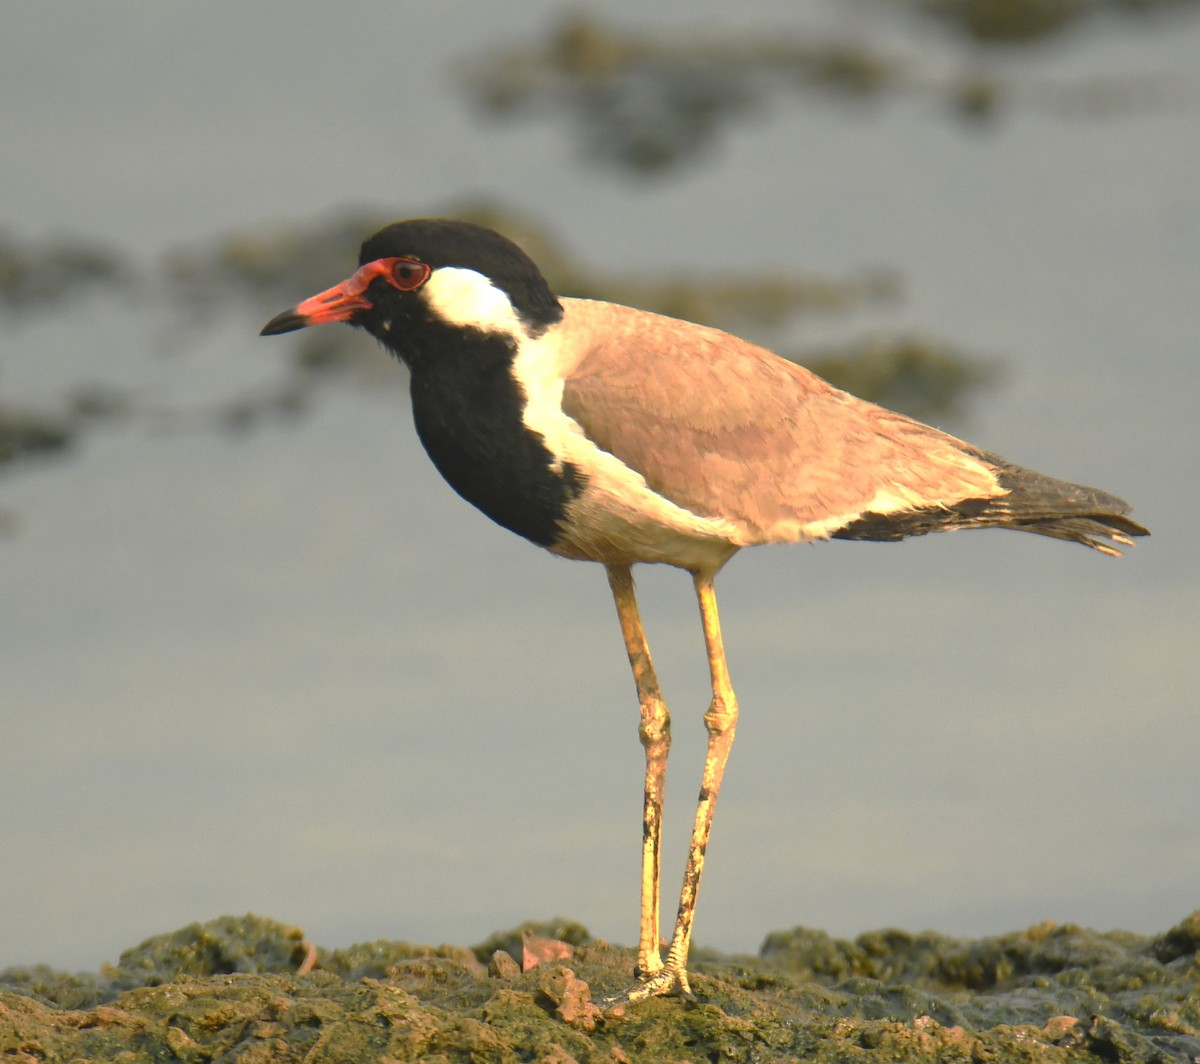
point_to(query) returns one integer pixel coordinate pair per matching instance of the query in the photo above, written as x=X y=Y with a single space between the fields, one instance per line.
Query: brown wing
x=727 y=429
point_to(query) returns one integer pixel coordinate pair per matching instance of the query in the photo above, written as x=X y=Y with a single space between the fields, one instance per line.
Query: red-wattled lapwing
x=613 y=435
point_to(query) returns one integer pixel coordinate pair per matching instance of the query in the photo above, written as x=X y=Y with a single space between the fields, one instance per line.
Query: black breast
x=467 y=410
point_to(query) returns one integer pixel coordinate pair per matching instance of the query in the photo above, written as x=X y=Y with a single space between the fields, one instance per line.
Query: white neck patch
x=466 y=297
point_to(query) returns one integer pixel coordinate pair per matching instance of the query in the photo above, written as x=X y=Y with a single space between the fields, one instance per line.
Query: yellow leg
x=655 y=734
x=721 y=724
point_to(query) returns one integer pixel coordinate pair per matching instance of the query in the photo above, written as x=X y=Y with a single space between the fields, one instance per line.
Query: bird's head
x=433 y=273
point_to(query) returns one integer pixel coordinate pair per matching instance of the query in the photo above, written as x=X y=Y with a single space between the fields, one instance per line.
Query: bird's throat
x=468 y=412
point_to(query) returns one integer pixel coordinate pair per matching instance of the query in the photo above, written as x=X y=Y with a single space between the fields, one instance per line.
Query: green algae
x=228 y=990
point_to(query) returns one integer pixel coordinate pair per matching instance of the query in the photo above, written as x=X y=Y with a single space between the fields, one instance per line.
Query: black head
x=433 y=271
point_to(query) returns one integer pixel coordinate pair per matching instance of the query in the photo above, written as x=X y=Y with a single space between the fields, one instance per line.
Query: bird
x=610 y=434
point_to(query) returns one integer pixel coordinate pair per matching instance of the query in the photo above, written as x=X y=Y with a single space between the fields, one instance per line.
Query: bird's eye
x=409 y=274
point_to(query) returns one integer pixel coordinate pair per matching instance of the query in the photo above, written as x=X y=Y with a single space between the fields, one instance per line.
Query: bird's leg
x=655 y=733
x=721 y=724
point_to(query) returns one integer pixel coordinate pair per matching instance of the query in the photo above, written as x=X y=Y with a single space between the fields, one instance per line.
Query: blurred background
x=255 y=656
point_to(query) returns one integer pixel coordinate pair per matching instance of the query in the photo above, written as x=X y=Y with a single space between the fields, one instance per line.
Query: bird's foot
x=665 y=981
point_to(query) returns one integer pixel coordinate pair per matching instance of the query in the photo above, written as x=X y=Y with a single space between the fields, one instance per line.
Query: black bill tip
x=288 y=321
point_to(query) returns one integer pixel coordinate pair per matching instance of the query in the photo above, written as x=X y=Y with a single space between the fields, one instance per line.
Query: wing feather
x=730 y=430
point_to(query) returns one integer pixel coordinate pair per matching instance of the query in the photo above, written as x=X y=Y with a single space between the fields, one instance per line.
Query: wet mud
x=231 y=990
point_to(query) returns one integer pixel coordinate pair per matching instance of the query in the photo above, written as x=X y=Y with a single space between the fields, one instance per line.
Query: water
x=291 y=672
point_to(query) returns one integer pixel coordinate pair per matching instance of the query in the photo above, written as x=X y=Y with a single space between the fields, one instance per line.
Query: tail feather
x=1034 y=503
x=1090 y=531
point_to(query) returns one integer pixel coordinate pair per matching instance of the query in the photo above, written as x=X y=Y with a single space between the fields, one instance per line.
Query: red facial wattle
x=343 y=301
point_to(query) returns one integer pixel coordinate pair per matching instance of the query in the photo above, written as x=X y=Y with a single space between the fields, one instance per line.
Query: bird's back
x=729 y=430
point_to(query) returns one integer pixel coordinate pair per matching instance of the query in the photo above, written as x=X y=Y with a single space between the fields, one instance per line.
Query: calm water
x=290 y=672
